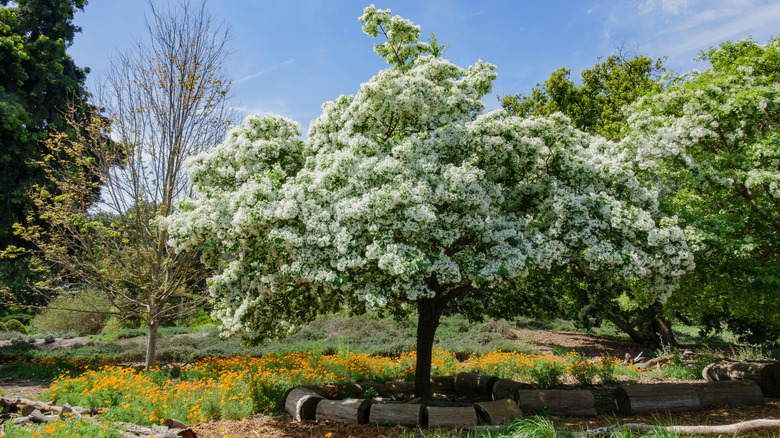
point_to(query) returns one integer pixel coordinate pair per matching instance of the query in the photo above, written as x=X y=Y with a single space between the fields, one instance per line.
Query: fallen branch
x=654 y=361
x=157 y=431
x=35 y=416
x=41 y=406
x=736 y=429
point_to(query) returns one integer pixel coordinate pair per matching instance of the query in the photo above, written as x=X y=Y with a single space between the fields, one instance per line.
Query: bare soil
x=543 y=340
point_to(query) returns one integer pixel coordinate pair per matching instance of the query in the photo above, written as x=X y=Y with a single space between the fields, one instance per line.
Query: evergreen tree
x=37 y=80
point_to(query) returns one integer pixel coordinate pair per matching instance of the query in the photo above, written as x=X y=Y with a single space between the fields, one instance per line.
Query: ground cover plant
x=236 y=387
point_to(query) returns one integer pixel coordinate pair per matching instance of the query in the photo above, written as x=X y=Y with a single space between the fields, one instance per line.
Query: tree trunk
x=151 y=345
x=427 y=323
x=651 y=331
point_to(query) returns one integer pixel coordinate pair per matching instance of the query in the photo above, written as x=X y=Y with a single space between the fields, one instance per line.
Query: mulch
x=280 y=427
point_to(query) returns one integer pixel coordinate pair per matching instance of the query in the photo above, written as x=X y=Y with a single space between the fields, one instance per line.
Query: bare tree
x=164 y=101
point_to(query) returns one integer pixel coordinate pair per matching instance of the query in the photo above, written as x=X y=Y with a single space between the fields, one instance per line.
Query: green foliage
x=267 y=396
x=37 y=80
x=13 y=325
x=607 y=369
x=199 y=318
x=583 y=371
x=84 y=312
x=24 y=318
x=71 y=428
x=547 y=374
x=716 y=140
x=596 y=106
x=3 y=327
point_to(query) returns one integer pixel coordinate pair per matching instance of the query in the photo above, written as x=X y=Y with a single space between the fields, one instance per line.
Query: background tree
x=406 y=197
x=37 y=81
x=164 y=101
x=595 y=106
x=716 y=139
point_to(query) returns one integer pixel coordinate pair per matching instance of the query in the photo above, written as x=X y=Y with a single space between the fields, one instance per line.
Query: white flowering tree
x=407 y=196
x=713 y=143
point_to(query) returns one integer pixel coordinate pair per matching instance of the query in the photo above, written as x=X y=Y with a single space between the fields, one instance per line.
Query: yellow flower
x=329 y=434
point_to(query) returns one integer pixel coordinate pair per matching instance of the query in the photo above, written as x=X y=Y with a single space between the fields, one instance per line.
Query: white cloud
x=266 y=70
x=680 y=29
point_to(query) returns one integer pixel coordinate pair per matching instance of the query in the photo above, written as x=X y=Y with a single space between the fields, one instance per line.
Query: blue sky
x=291 y=56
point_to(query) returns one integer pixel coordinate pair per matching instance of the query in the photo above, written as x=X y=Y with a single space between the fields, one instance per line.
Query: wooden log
x=321 y=390
x=42 y=406
x=39 y=417
x=475 y=386
x=498 y=411
x=452 y=416
x=10 y=406
x=575 y=403
x=505 y=388
x=645 y=399
x=187 y=433
x=443 y=384
x=27 y=410
x=654 y=362
x=396 y=413
x=731 y=392
x=301 y=403
x=174 y=424
x=69 y=411
x=751 y=427
x=400 y=387
x=351 y=410
x=765 y=373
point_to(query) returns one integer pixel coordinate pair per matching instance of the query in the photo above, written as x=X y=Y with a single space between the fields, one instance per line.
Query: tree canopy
x=407 y=196
x=163 y=101
x=595 y=106
x=37 y=81
x=712 y=143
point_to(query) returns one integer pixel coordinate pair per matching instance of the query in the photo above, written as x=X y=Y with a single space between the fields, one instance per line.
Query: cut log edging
x=766 y=373
x=496 y=401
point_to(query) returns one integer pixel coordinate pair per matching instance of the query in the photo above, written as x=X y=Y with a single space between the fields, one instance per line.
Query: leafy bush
x=126 y=333
x=546 y=374
x=24 y=318
x=607 y=369
x=583 y=371
x=3 y=328
x=13 y=325
x=84 y=312
x=200 y=318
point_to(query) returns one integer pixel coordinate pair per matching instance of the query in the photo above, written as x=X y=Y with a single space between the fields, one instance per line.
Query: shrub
x=546 y=373
x=583 y=371
x=607 y=369
x=3 y=328
x=13 y=325
x=200 y=318
x=24 y=318
x=84 y=312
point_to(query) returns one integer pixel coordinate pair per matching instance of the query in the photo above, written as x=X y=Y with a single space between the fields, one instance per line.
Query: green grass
x=63 y=429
